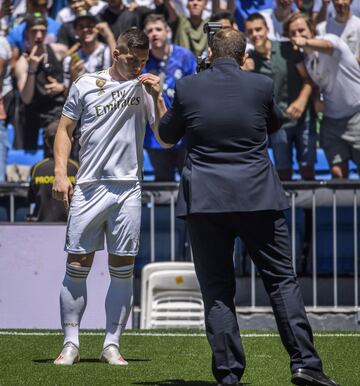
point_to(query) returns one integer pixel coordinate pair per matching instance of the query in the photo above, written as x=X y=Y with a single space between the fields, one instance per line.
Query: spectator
x=170 y=62
x=68 y=14
x=92 y=55
x=224 y=17
x=245 y=8
x=345 y=25
x=17 y=36
x=333 y=67
x=67 y=34
x=5 y=90
x=120 y=17
x=39 y=78
x=42 y=177
x=323 y=9
x=292 y=89
x=189 y=31
x=276 y=16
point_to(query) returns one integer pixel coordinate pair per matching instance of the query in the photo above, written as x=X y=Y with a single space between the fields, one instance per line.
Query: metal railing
x=310 y=195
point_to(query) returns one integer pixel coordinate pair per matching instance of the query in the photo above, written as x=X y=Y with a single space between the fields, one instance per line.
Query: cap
x=83 y=15
x=34 y=19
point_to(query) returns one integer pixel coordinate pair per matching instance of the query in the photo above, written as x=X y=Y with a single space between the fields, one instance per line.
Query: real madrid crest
x=100 y=83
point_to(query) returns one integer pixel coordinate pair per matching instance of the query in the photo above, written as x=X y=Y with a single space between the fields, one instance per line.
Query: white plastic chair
x=170 y=296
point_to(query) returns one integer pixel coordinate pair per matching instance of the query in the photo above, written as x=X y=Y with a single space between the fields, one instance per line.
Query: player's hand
x=62 y=190
x=298 y=42
x=296 y=109
x=152 y=84
x=54 y=87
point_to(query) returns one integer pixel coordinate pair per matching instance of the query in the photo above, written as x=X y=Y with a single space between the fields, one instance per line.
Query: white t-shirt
x=274 y=25
x=113 y=118
x=5 y=55
x=330 y=11
x=338 y=76
x=349 y=32
x=96 y=61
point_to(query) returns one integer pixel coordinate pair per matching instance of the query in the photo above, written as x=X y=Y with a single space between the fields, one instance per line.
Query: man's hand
x=298 y=42
x=76 y=68
x=54 y=87
x=103 y=29
x=152 y=84
x=296 y=109
x=36 y=56
x=62 y=190
x=249 y=65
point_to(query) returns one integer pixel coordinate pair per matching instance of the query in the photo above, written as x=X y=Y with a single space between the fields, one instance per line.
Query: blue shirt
x=244 y=8
x=17 y=38
x=181 y=62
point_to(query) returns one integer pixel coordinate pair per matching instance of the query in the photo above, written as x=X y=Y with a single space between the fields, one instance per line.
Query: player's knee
x=85 y=260
x=121 y=261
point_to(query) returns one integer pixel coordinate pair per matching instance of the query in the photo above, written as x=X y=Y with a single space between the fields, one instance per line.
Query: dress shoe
x=307 y=377
x=228 y=384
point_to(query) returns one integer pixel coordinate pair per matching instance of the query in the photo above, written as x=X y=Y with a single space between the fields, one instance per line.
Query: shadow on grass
x=180 y=382
x=88 y=360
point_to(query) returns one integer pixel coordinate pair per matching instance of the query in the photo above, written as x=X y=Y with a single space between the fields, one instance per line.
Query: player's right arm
x=62 y=189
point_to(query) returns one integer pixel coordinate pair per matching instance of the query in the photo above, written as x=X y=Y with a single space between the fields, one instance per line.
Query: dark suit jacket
x=225 y=115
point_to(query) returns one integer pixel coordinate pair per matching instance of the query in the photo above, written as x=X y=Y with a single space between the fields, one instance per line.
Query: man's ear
x=116 y=54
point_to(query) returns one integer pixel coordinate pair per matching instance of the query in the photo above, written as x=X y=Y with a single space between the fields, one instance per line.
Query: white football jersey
x=113 y=116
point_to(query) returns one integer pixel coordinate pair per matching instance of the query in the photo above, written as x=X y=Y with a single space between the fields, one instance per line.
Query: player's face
x=257 y=32
x=342 y=7
x=157 y=34
x=86 y=31
x=299 y=28
x=130 y=65
x=196 y=7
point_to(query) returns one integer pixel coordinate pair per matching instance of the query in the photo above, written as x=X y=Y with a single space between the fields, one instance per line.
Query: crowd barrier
x=323 y=220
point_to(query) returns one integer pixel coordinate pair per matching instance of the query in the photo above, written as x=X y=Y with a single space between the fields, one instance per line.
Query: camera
x=210 y=29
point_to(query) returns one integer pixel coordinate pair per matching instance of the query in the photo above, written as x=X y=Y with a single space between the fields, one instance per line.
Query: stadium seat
x=3 y=214
x=148 y=168
x=324 y=245
x=170 y=296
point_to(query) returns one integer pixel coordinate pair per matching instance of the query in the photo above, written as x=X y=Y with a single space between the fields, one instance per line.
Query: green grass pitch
x=166 y=360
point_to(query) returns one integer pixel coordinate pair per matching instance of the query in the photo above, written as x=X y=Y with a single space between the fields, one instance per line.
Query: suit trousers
x=266 y=237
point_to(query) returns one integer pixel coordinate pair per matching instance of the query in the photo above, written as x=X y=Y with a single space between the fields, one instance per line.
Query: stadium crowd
x=311 y=50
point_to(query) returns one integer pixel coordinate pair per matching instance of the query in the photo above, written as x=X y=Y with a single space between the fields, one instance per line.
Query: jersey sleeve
x=73 y=106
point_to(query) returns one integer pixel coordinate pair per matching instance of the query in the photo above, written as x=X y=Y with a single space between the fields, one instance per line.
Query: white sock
x=118 y=303
x=73 y=297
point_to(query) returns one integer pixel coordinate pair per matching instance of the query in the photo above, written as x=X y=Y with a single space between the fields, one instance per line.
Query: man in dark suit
x=229 y=188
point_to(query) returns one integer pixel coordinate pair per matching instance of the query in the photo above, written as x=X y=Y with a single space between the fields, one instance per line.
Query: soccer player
x=113 y=106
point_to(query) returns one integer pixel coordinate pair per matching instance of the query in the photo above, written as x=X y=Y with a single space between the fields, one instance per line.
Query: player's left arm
x=152 y=86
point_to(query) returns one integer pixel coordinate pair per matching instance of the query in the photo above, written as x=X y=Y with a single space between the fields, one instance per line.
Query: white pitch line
x=20 y=333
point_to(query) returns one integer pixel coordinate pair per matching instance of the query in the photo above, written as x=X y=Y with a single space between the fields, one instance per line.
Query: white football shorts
x=110 y=209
